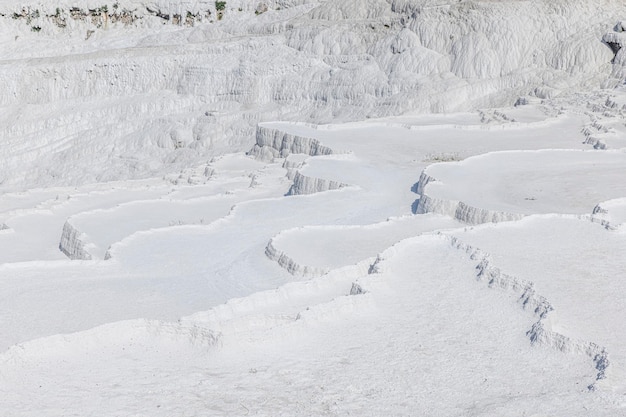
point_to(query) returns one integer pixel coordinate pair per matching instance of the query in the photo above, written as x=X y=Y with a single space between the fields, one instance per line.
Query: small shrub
x=36 y=28
x=220 y=6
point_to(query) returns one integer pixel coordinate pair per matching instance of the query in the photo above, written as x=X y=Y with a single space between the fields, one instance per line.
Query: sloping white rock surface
x=583 y=287
x=102 y=91
x=124 y=120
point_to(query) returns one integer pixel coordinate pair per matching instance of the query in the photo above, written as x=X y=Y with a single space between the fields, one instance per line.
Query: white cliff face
x=172 y=82
x=73 y=243
x=274 y=143
x=293 y=267
x=450 y=188
x=303 y=184
x=611 y=214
